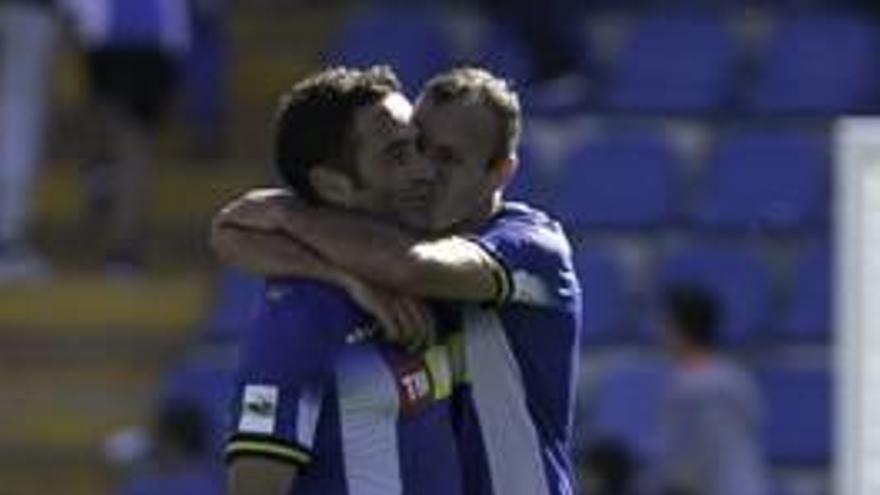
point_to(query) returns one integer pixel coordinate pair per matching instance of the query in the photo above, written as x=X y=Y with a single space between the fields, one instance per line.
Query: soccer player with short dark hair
x=322 y=406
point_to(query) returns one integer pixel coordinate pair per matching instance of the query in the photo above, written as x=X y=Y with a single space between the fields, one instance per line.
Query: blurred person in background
x=505 y=267
x=711 y=413
x=607 y=467
x=27 y=38
x=179 y=461
x=133 y=53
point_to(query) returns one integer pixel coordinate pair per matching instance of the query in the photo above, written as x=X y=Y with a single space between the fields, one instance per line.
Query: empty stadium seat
x=411 y=40
x=627 y=180
x=501 y=51
x=533 y=182
x=626 y=406
x=808 y=317
x=603 y=296
x=817 y=63
x=797 y=401
x=682 y=63
x=772 y=179
x=740 y=282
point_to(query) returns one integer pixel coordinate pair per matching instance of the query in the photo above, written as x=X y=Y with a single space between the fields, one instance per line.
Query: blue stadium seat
x=626 y=406
x=501 y=51
x=411 y=40
x=809 y=316
x=235 y=296
x=602 y=286
x=627 y=180
x=532 y=183
x=681 y=63
x=798 y=404
x=774 y=180
x=818 y=63
x=740 y=282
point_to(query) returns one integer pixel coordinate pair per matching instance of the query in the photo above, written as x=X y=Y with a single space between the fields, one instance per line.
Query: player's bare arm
x=445 y=268
x=265 y=252
x=260 y=476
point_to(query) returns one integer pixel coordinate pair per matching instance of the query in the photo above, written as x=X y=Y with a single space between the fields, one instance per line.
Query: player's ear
x=332 y=186
x=502 y=170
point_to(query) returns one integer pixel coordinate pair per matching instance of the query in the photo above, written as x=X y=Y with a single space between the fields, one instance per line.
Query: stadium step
x=183 y=194
x=184 y=198
x=68 y=474
x=86 y=365
x=79 y=359
x=61 y=407
x=93 y=306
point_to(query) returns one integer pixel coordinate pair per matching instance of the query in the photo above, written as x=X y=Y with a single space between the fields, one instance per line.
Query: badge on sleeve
x=258 y=409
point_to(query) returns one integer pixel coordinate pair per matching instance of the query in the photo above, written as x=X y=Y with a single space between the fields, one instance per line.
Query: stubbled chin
x=414 y=219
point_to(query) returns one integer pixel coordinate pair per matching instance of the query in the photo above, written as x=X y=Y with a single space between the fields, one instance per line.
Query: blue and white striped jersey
x=357 y=416
x=519 y=360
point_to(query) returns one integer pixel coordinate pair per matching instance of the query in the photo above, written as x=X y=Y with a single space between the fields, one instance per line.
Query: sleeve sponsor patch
x=259 y=409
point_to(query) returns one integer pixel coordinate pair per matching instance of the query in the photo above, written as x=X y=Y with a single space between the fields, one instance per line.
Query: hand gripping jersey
x=358 y=417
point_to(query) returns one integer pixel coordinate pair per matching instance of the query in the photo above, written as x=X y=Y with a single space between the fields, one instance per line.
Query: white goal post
x=856 y=175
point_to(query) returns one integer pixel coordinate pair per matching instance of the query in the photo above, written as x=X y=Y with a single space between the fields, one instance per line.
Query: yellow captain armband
x=440 y=370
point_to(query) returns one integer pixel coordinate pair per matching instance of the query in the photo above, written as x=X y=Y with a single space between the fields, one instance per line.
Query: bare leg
x=128 y=218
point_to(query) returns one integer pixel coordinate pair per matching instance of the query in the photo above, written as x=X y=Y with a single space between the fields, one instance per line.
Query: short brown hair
x=472 y=84
x=314 y=122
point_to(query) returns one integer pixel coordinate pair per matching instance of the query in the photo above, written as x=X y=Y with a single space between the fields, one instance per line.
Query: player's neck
x=482 y=213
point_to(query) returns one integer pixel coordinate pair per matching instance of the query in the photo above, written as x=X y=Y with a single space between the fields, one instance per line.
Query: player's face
x=457 y=140
x=395 y=182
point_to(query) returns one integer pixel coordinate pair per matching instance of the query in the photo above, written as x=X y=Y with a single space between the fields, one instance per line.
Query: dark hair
x=314 y=122
x=474 y=85
x=694 y=314
x=612 y=466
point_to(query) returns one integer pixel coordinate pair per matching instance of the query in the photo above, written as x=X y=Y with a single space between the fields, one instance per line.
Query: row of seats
x=815 y=63
x=771 y=180
x=742 y=281
x=796 y=400
x=809 y=63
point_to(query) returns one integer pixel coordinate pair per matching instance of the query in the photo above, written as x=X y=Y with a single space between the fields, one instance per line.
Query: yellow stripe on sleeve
x=236 y=447
x=437 y=362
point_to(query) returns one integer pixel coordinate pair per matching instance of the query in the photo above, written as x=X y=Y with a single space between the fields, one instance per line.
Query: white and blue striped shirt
x=514 y=407
x=359 y=417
